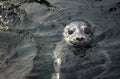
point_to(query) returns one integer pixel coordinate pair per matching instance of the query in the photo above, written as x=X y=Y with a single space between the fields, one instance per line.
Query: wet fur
x=85 y=63
x=78 y=60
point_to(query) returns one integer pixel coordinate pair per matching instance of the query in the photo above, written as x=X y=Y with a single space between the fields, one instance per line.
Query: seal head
x=78 y=33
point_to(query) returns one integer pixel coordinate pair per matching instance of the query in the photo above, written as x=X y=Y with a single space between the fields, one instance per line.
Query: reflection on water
x=30 y=30
x=16 y=56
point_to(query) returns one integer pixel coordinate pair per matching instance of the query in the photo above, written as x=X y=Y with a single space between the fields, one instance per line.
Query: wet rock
x=10 y=15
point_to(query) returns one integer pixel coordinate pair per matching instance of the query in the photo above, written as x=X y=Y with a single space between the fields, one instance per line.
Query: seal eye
x=87 y=31
x=70 y=32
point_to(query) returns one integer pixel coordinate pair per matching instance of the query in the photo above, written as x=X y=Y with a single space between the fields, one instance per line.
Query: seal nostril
x=79 y=39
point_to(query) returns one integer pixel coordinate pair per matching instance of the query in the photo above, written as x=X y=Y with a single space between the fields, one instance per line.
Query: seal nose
x=80 y=39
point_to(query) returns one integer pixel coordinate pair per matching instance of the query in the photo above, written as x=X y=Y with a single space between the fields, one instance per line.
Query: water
x=31 y=29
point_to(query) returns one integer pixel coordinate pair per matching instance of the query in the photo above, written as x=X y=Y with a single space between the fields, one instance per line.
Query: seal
x=77 y=56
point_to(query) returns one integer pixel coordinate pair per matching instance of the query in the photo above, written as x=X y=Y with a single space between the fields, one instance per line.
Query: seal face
x=78 y=33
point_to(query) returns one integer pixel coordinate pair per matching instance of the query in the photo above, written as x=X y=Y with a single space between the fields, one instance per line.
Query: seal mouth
x=77 y=43
x=80 y=43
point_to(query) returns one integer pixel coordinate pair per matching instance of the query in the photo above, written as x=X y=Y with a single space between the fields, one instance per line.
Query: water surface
x=30 y=30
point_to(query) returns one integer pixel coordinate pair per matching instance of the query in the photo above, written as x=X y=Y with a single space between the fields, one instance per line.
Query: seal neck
x=81 y=50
